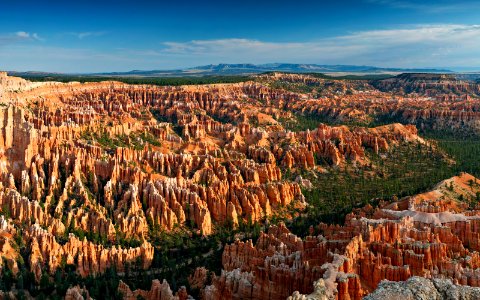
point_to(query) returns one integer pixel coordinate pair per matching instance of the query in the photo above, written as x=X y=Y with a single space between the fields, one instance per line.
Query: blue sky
x=95 y=36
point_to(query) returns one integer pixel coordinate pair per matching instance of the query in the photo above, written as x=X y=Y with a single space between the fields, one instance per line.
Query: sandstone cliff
x=432 y=235
x=90 y=171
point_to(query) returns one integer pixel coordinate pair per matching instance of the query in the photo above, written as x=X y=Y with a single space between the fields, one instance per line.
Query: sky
x=118 y=35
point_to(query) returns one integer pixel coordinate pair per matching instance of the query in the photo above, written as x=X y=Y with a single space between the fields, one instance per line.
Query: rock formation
x=433 y=235
x=433 y=101
x=423 y=288
x=90 y=171
x=158 y=291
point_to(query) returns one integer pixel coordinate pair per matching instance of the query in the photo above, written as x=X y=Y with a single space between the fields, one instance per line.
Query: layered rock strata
x=433 y=235
x=89 y=172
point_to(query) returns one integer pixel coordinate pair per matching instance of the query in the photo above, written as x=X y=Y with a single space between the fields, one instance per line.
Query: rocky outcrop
x=432 y=235
x=430 y=101
x=91 y=259
x=274 y=268
x=77 y=293
x=88 y=167
x=199 y=278
x=158 y=291
x=8 y=254
x=319 y=292
x=423 y=288
x=428 y=84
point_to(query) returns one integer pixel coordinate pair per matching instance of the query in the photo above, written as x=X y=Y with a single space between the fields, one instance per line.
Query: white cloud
x=35 y=36
x=23 y=35
x=19 y=36
x=426 y=45
x=446 y=46
x=82 y=35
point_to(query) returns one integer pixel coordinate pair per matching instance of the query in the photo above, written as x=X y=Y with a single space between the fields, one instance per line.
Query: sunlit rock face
x=158 y=291
x=431 y=101
x=433 y=235
x=89 y=171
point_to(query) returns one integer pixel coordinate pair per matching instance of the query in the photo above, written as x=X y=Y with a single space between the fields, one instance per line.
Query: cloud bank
x=19 y=36
x=445 y=45
x=427 y=45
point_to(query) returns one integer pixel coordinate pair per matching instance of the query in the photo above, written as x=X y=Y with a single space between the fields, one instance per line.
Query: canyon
x=92 y=173
x=432 y=235
x=430 y=101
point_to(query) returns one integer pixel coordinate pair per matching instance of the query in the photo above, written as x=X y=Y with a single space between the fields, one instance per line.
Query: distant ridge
x=285 y=67
x=249 y=69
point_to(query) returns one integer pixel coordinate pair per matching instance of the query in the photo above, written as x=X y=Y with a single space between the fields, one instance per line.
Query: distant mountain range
x=249 y=69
